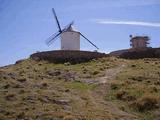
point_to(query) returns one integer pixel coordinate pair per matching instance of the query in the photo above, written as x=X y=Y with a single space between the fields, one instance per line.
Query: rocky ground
x=104 y=89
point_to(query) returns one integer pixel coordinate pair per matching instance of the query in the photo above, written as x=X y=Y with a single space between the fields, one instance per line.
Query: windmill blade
x=52 y=38
x=58 y=24
x=88 y=40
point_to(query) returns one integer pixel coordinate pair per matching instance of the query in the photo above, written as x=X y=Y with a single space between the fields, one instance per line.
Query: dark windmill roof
x=146 y=38
x=71 y=29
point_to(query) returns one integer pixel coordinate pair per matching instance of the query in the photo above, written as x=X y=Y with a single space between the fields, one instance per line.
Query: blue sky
x=26 y=24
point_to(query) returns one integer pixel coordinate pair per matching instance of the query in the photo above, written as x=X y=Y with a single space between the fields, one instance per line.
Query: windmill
x=70 y=38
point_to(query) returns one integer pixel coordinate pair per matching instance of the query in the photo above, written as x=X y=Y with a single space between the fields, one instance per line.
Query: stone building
x=139 y=41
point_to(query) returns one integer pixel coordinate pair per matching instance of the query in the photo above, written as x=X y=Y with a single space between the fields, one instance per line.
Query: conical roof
x=71 y=28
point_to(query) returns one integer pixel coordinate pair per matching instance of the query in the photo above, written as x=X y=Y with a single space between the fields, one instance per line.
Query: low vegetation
x=137 y=87
x=40 y=90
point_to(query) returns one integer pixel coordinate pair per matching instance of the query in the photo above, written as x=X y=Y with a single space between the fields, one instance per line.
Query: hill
x=137 y=53
x=72 y=56
x=108 y=88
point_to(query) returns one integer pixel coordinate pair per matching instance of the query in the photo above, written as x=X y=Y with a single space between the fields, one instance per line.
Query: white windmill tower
x=70 y=38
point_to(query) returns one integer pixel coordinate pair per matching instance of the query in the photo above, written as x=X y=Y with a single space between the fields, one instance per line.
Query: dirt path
x=98 y=95
x=110 y=74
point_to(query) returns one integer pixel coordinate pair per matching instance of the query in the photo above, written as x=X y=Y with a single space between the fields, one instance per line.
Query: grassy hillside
x=42 y=90
x=32 y=90
x=137 y=88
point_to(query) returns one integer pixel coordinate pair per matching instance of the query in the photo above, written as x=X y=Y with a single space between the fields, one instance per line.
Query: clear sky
x=26 y=24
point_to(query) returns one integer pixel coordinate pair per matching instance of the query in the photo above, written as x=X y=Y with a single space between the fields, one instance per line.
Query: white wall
x=70 y=41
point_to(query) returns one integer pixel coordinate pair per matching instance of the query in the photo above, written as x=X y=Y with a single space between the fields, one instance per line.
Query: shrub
x=133 y=65
x=21 y=115
x=44 y=85
x=95 y=72
x=120 y=94
x=137 y=78
x=115 y=86
x=146 y=103
x=84 y=70
x=123 y=95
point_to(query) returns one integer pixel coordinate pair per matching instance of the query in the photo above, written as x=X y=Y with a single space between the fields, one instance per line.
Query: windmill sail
x=52 y=38
x=58 y=24
x=88 y=40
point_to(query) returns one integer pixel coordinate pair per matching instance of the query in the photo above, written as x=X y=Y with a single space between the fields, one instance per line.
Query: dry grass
x=148 y=102
x=48 y=91
x=138 y=88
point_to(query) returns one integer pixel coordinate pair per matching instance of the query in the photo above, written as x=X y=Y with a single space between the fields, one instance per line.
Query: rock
x=35 y=70
x=19 y=61
x=21 y=91
x=10 y=97
x=66 y=107
x=21 y=80
x=40 y=64
x=69 y=76
x=44 y=85
x=44 y=99
x=88 y=81
x=45 y=76
x=12 y=75
x=17 y=86
x=62 y=102
x=6 y=86
x=3 y=75
x=21 y=115
x=36 y=86
x=28 y=67
x=67 y=90
x=30 y=99
x=54 y=72
x=6 y=113
x=67 y=63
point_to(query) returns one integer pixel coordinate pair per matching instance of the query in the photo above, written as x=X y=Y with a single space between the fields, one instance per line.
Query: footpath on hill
x=98 y=95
